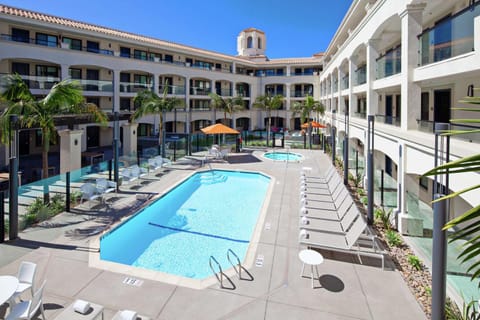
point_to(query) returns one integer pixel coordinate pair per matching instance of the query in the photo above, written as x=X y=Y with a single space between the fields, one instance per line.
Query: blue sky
x=297 y=28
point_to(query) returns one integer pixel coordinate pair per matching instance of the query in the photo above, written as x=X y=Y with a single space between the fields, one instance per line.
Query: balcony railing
x=301 y=93
x=361 y=115
x=361 y=75
x=388 y=119
x=172 y=89
x=39 y=82
x=224 y=92
x=134 y=86
x=200 y=91
x=428 y=125
x=449 y=38
x=96 y=85
x=345 y=83
x=390 y=63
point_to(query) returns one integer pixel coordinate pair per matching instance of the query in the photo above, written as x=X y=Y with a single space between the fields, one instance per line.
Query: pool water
x=204 y=216
x=283 y=156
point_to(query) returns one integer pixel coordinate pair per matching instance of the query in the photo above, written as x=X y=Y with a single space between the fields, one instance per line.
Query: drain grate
x=133 y=281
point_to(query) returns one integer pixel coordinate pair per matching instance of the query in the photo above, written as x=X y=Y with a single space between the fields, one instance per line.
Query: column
x=130 y=138
x=64 y=71
x=341 y=99
x=116 y=90
x=372 y=96
x=411 y=24
x=71 y=152
x=352 y=104
x=156 y=84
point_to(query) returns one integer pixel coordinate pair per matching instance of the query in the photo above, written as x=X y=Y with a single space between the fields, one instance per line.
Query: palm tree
x=305 y=109
x=268 y=103
x=228 y=105
x=149 y=102
x=64 y=98
x=467 y=225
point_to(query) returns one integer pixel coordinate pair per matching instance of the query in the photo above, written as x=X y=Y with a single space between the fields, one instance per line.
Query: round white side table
x=312 y=258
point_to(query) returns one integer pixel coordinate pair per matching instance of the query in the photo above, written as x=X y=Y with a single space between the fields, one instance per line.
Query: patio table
x=8 y=285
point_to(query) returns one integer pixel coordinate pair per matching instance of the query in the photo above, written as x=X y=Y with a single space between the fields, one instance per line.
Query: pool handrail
x=239 y=271
x=220 y=279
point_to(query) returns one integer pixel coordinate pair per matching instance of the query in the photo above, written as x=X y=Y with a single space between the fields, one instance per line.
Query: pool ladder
x=236 y=266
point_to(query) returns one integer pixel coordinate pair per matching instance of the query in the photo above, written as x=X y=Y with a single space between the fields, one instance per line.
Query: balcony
x=390 y=63
x=198 y=91
x=180 y=90
x=134 y=86
x=361 y=75
x=301 y=93
x=452 y=37
x=224 y=92
x=428 y=125
x=96 y=85
x=381 y=118
x=345 y=83
x=40 y=82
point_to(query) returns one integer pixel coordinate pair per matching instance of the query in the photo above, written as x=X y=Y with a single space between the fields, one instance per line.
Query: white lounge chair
x=341 y=225
x=128 y=176
x=128 y=315
x=89 y=193
x=106 y=186
x=27 y=309
x=348 y=242
x=139 y=172
x=26 y=278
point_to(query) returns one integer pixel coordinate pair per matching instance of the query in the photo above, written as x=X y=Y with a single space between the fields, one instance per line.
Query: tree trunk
x=161 y=141
x=46 y=147
x=269 y=125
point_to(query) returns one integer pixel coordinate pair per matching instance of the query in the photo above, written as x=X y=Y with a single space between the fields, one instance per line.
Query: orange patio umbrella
x=219 y=128
x=315 y=124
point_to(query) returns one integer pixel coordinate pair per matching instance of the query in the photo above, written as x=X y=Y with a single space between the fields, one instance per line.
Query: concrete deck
x=346 y=289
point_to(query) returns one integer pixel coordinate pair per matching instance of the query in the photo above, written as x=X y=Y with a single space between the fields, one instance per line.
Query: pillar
x=71 y=152
x=372 y=96
x=411 y=26
x=130 y=138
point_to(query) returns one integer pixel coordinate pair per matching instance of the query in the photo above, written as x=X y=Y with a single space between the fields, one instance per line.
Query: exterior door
x=93 y=137
x=442 y=105
x=388 y=109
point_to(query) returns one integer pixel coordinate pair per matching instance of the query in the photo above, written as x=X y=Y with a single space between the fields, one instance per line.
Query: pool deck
x=346 y=289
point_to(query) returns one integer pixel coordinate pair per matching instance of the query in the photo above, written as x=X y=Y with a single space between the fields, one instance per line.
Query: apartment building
x=401 y=67
x=112 y=66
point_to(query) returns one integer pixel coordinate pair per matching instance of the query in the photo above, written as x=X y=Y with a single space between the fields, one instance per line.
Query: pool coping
x=94 y=260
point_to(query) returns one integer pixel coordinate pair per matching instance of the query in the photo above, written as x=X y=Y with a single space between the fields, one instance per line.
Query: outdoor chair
x=26 y=278
x=128 y=315
x=331 y=225
x=27 y=309
x=154 y=164
x=106 y=186
x=89 y=192
x=353 y=241
x=128 y=176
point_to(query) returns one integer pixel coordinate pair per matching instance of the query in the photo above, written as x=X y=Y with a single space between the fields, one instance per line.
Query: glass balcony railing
x=96 y=85
x=172 y=89
x=361 y=75
x=300 y=94
x=39 y=82
x=449 y=38
x=345 y=83
x=390 y=63
x=388 y=119
x=200 y=91
x=224 y=92
x=134 y=86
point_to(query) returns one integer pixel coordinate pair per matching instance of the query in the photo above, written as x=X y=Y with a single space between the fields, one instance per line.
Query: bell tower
x=251 y=42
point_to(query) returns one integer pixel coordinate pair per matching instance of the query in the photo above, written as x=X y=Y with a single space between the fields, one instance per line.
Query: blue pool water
x=283 y=156
x=204 y=216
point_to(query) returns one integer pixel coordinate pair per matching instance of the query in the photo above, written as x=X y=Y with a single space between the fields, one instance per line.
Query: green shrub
x=469 y=311
x=383 y=216
x=415 y=262
x=57 y=204
x=393 y=238
x=75 y=197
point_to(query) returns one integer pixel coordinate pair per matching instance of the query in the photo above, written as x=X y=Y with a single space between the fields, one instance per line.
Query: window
x=21 y=68
x=46 y=71
x=75 y=73
x=74 y=44
x=94 y=100
x=20 y=35
x=168 y=58
x=140 y=55
x=124 y=77
x=423 y=182
x=125 y=52
x=93 y=46
x=249 y=42
x=141 y=81
x=47 y=40
x=259 y=43
x=125 y=104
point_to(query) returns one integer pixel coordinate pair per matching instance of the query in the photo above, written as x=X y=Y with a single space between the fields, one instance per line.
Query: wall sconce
x=470 y=91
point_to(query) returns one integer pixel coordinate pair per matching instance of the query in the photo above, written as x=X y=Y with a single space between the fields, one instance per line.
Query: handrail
x=239 y=271
x=220 y=279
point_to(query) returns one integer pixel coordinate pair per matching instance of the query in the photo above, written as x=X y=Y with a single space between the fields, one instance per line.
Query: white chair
x=153 y=164
x=138 y=171
x=105 y=186
x=128 y=176
x=26 y=277
x=89 y=192
x=28 y=309
x=125 y=315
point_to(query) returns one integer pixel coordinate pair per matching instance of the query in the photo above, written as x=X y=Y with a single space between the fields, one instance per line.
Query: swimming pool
x=283 y=156
x=204 y=216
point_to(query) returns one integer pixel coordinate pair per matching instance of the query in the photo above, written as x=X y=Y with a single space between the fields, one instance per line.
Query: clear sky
x=294 y=28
